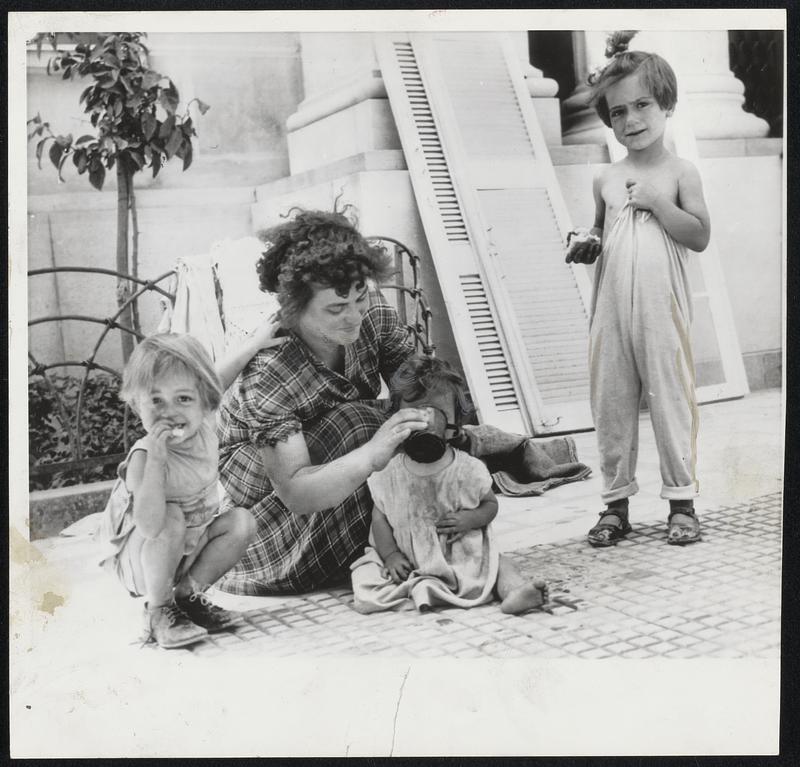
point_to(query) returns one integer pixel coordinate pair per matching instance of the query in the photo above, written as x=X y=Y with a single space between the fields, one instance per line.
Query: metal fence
x=92 y=456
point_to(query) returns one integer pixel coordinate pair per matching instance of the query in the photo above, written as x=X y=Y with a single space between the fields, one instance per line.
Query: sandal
x=683 y=527
x=607 y=533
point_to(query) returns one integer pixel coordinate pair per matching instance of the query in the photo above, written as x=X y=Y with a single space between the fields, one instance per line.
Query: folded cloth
x=522 y=465
x=196 y=309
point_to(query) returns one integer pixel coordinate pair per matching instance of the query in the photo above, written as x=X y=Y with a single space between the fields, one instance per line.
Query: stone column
x=581 y=123
x=713 y=94
x=345 y=110
x=543 y=91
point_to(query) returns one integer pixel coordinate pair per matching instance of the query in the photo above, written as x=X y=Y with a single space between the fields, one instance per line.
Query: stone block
x=50 y=511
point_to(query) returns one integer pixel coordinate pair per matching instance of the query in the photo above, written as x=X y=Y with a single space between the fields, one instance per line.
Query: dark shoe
x=683 y=526
x=612 y=527
x=170 y=627
x=202 y=611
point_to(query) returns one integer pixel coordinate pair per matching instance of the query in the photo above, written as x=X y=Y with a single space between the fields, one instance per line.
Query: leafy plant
x=134 y=110
x=54 y=430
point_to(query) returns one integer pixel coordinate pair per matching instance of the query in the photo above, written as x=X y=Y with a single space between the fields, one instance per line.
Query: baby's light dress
x=461 y=572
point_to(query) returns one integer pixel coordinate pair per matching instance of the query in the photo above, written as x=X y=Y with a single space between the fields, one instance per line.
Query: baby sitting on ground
x=431 y=541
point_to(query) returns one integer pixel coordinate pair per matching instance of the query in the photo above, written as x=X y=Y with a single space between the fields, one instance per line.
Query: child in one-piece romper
x=649 y=210
x=430 y=540
x=168 y=530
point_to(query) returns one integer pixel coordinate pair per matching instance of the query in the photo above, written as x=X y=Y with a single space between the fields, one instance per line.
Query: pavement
x=302 y=675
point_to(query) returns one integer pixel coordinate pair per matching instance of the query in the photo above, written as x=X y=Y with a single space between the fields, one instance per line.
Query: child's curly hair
x=656 y=74
x=167 y=353
x=316 y=248
x=419 y=375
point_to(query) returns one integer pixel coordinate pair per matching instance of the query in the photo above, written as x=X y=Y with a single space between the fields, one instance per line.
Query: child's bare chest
x=615 y=190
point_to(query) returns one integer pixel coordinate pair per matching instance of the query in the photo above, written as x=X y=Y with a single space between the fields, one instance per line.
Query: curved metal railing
x=412 y=307
x=73 y=426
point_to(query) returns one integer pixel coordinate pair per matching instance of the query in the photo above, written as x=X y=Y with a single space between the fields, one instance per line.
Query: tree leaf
x=61 y=165
x=156 y=163
x=169 y=98
x=202 y=106
x=166 y=127
x=97 y=174
x=84 y=138
x=124 y=81
x=82 y=160
x=137 y=158
x=40 y=149
x=175 y=140
x=55 y=153
x=150 y=78
x=149 y=125
x=187 y=156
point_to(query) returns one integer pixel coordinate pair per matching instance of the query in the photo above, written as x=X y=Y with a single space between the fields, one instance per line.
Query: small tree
x=134 y=110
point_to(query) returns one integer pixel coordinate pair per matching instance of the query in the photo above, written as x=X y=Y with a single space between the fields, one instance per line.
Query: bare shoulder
x=613 y=171
x=685 y=170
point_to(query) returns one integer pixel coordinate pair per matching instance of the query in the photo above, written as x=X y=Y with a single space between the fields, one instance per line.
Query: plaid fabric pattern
x=294 y=554
x=286 y=390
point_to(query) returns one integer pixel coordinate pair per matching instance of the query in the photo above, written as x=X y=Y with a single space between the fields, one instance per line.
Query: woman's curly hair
x=316 y=248
x=419 y=375
x=656 y=74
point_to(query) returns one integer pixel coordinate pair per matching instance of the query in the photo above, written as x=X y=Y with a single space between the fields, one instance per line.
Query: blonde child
x=170 y=535
x=649 y=210
x=430 y=539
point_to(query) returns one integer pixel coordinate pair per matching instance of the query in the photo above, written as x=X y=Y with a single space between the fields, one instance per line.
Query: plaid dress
x=287 y=390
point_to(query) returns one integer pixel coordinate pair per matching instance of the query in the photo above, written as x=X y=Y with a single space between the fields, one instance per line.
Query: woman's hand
x=642 y=194
x=392 y=434
x=397 y=567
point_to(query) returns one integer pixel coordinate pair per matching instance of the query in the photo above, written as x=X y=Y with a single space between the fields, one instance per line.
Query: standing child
x=430 y=540
x=170 y=535
x=649 y=210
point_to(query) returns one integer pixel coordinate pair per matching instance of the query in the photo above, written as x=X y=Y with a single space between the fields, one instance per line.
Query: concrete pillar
x=543 y=91
x=714 y=96
x=345 y=111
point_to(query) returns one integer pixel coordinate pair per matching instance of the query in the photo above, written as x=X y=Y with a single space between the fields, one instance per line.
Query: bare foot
x=527 y=597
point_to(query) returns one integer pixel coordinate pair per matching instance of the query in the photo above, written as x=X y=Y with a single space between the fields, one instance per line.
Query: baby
x=431 y=541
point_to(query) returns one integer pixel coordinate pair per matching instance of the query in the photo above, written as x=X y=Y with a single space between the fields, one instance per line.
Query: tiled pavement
x=662 y=620
x=719 y=598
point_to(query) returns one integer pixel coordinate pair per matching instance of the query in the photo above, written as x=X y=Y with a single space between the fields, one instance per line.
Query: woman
x=301 y=430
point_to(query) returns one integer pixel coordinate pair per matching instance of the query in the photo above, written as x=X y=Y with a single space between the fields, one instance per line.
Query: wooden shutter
x=496 y=224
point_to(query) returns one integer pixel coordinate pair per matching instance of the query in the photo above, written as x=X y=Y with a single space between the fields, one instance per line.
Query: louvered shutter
x=496 y=223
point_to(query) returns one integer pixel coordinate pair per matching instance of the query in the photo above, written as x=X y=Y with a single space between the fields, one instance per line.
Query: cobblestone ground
x=641 y=599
